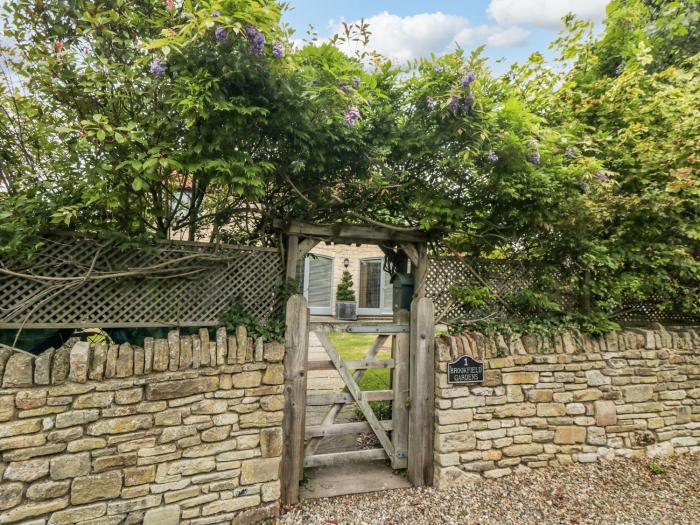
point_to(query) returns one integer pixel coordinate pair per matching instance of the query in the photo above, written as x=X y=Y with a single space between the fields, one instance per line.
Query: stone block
x=261 y=418
x=637 y=393
x=520 y=378
x=605 y=413
x=247 y=379
x=27 y=471
x=7 y=408
x=120 y=425
x=273 y=352
x=125 y=361
x=10 y=495
x=173 y=350
x=94 y=400
x=128 y=397
x=76 y=417
x=569 y=435
x=182 y=388
x=19 y=370
x=79 y=360
x=229 y=505
x=30 y=399
x=168 y=515
x=271 y=442
x=78 y=514
x=32 y=510
x=42 y=367
x=538 y=395
x=596 y=378
x=456 y=441
x=97 y=362
x=70 y=466
x=98 y=487
x=551 y=410
x=111 y=361
x=42 y=490
x=160 y=355
x=528 y=449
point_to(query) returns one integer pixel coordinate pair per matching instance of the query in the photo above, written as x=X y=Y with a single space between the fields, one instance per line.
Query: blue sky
x=407 y=29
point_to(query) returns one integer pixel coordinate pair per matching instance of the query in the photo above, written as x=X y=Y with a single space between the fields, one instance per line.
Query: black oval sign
x=465 y=370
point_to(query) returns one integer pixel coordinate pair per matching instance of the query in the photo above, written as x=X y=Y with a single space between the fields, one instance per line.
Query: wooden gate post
x=400 y=384
x=422 y=372
x=295 y=366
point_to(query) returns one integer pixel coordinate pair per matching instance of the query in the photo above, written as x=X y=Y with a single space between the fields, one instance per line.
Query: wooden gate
x=391 y=434
x=406 y=440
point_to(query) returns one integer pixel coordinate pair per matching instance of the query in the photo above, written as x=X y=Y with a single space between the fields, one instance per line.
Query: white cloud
x=410 y=37
x=544 y=13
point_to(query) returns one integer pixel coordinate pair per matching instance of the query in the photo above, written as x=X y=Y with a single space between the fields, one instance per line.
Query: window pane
x=320 y=281
x=370 y=283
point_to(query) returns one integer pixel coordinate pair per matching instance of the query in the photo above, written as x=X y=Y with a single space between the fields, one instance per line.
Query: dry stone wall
x=179 y=431
x=566 y=399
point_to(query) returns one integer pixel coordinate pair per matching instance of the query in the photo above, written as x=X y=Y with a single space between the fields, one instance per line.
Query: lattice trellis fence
x=79 y=283
x=506 y=278
x=503 y=278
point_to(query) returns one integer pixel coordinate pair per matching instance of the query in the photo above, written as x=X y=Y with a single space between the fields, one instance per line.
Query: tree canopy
x=201 y=119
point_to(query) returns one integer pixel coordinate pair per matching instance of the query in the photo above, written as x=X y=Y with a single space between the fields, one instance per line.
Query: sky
x=408 y=29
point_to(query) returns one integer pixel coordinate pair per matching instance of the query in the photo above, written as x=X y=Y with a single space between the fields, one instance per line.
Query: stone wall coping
x=113 y=364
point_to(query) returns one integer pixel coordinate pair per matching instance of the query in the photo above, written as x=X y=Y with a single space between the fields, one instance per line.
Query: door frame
x=383 y=309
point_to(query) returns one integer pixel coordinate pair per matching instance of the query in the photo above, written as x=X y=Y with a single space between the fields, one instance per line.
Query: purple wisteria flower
x=468 y=79
x=453 y=104
x=532 y=142
x=221 y=34
x=158 y=69
x=492 y=158
x=352 y=115
x=345 y=88
x=438 y=69
x=584 y=186
x=534 y=157
x=216 y=14
x=602 y=176
x=431 y=103
x=619 y=69
x=469 y=102
x=278 y=49
x=356 y=82
x=256 y=40
x=569 y=152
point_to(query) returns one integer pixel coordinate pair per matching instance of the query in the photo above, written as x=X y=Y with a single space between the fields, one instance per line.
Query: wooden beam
x=421 y=272
x=400 y=384
x=296 y=354
x=306 y=246
x=342 y=429
x=353 y=365
x=343 y=458
x=352 y=232
x=420 y=419
x=292 y=257
x=345 y=398
x=411 y=251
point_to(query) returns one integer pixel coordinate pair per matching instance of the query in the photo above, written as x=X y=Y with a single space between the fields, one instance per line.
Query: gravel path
x=617 y=492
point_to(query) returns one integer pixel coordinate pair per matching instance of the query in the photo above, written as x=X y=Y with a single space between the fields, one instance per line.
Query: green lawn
x=354 y=347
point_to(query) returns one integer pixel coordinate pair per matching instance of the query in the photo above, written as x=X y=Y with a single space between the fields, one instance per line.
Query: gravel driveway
x=617 y=492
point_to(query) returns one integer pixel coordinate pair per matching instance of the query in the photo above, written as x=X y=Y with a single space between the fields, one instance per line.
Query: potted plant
x=345 y=306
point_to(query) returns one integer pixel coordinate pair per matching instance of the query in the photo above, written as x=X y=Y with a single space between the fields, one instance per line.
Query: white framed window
x=315 y=277
x=376 y=291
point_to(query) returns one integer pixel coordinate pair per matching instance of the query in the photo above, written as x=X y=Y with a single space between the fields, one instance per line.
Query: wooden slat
x=292 y=257
x=400 y=385
x=341 y=429
x=422 y=372
x=345 y=398
x=355 y=391
x=296 y=355
x=333 y=412
x=343 y=458
x=351 y=232
x=352 y=365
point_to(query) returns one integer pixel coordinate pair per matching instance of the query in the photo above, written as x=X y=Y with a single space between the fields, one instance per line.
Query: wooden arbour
x=400 y=244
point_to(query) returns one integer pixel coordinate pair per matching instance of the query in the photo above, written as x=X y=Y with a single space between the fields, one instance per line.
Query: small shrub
x=655 y=469
x=345 y=291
